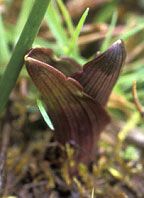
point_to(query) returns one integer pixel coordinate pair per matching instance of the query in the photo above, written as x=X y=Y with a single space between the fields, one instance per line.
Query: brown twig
x=136 y=100
x=3 y=154
x=4 y=147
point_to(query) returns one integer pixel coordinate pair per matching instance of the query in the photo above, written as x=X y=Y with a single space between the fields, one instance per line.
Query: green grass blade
x=105 y=13
x=132 y=32
x=24 y=43
x=77 y=31
x=67 y=17
x=44 y=114
x=53 y=19
x=25 y=10
x=4 y=50
x=106 y=42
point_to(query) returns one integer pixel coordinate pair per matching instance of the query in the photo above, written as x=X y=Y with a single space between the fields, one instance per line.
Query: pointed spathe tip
x=119 y=42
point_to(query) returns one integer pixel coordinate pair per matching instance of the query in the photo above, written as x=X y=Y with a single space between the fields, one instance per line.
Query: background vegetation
x=31 y=162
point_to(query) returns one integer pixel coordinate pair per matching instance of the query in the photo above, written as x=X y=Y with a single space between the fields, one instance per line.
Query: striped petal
x=99 y=76
x=66 y=65
x=76 y=116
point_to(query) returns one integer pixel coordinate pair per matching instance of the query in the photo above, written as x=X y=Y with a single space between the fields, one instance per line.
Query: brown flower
x=76 y=96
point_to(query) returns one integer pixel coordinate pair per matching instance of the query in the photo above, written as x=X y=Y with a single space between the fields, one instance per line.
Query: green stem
x=24 y=43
